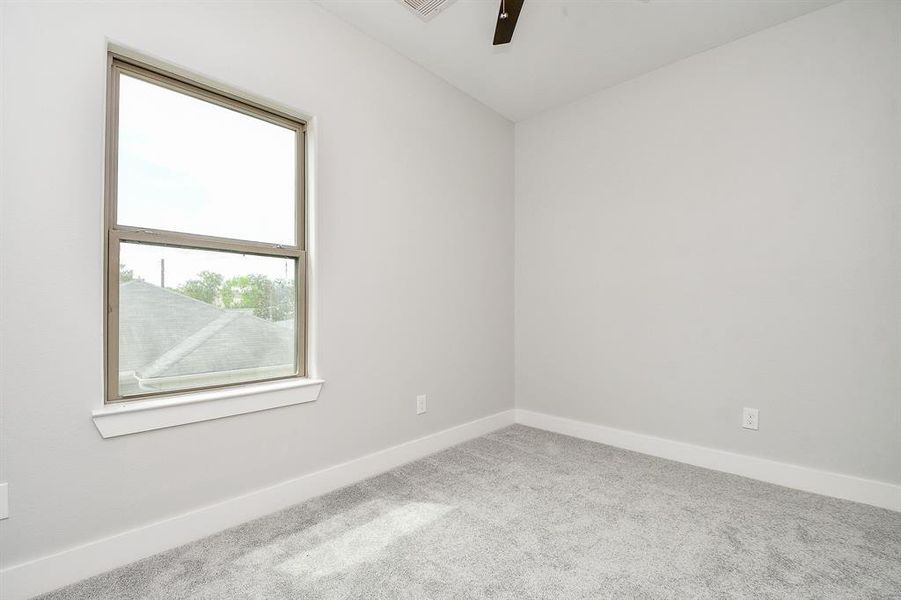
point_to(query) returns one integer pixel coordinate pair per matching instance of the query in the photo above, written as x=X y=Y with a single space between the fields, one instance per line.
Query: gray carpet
x=523 y=513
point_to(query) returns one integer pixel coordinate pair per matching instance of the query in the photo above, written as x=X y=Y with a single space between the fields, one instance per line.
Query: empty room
x=450 y=299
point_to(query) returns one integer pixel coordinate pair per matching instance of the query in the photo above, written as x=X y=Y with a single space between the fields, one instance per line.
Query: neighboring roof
x=163 y=333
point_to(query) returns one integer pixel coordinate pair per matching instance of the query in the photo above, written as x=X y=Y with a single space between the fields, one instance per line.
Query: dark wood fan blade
x=503 y=33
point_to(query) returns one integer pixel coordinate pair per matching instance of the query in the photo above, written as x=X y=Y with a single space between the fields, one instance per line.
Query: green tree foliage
x=206 y=288
x=126 y=274
x=269 y=299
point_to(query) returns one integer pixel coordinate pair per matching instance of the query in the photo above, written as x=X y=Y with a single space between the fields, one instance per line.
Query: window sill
x=145 y=415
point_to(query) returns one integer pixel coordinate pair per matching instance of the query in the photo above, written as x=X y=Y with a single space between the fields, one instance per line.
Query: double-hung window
x=204 y=237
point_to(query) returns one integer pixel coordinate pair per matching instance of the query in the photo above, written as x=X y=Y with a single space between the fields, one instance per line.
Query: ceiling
x=562 y=49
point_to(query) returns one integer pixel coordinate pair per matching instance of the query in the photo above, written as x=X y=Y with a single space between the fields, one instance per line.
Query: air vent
x=426 y=9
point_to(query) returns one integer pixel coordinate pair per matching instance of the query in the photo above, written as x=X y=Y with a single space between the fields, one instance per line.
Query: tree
x=283 y=300
x=206 y=288
x=271 y=300
x=126 y=274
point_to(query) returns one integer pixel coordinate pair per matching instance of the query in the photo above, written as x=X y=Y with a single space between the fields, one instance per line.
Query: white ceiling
x=562 y=49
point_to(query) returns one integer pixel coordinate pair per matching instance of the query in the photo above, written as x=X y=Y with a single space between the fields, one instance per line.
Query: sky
x=182 y=265
x=193 y=166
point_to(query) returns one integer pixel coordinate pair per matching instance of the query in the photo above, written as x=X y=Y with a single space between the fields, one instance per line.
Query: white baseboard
x=47 y=573
x=847 y=487
x=44 y=574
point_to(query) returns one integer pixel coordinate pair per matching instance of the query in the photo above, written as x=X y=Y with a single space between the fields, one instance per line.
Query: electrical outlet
x=421 y=404
x=749 y=418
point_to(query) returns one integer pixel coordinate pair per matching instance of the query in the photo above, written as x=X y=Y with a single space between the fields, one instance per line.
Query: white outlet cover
x=421 y=404
x=749 y=418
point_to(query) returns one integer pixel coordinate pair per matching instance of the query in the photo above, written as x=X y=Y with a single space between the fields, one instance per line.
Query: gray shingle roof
x=163 y=333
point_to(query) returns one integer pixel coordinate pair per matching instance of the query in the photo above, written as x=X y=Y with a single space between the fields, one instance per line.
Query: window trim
x=124 y=418
x=115 y=234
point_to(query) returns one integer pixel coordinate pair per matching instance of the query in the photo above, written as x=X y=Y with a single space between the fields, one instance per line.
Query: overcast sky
x=192 y=166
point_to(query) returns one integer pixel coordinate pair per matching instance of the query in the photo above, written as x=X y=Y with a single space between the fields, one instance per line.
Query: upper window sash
x=122 y=66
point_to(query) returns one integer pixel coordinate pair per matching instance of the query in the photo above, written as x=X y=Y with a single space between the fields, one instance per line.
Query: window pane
x=192 y=166
x=198 y=318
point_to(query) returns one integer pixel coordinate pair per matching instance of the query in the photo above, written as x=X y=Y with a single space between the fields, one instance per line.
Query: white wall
x=724 y=232
x=415 y=229
x=719 y=233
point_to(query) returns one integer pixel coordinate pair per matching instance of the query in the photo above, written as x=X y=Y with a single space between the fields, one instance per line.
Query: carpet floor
x=523 y=513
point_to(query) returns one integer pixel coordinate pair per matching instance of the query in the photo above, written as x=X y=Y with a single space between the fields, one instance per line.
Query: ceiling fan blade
x=503 y=33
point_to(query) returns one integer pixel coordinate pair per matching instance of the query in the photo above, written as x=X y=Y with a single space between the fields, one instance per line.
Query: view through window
x=205 y=231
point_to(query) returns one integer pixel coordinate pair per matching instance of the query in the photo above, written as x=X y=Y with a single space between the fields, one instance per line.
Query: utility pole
x=162 y=272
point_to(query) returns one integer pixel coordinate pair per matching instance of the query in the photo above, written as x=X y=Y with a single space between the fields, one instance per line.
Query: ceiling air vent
x=426 y=9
